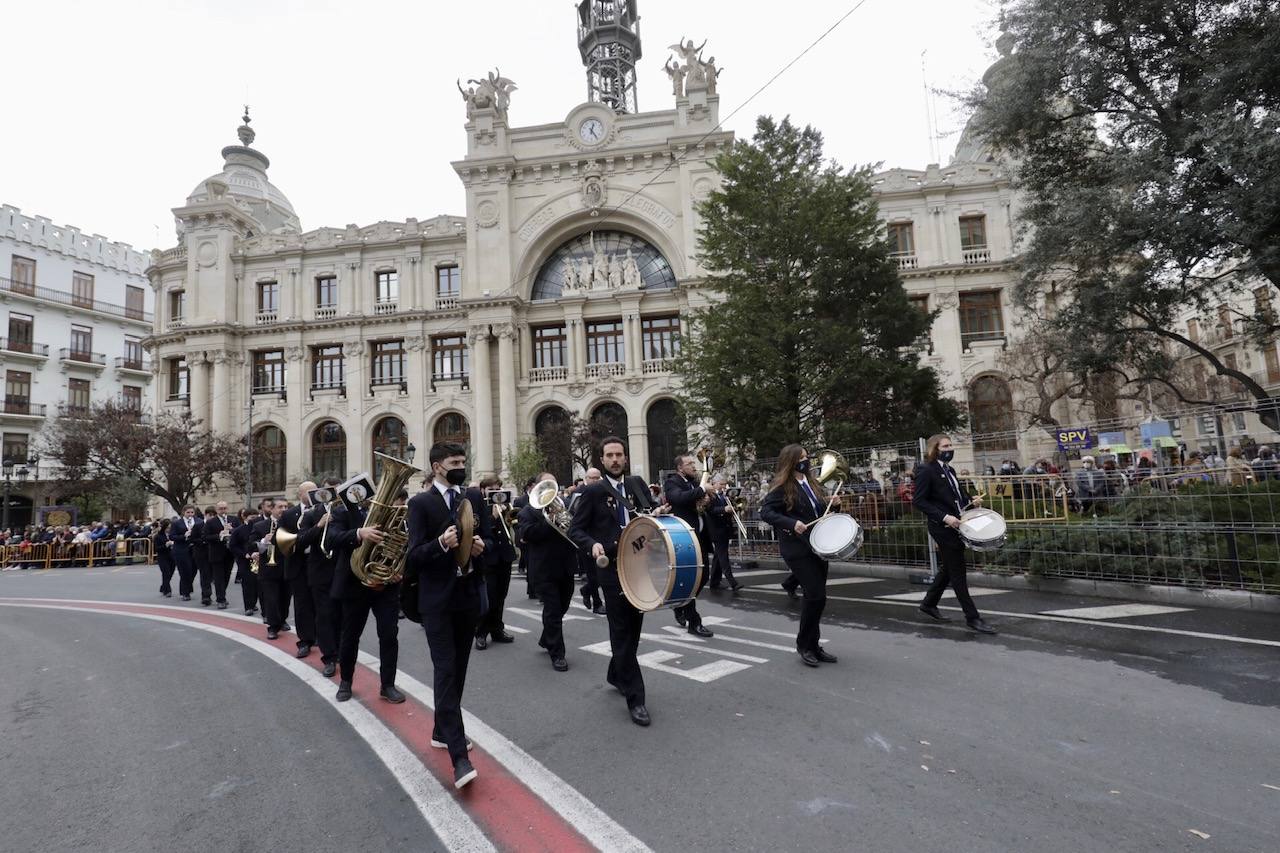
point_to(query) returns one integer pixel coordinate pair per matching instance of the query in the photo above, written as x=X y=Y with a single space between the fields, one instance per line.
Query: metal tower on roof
x=609 y=42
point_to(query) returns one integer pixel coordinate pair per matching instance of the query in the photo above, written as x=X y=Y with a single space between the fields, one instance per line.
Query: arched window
x=554 y=430
x=592 y=256
x=668 y=435
x=991 y=418
x=452 y=427
x=388 y=438
x=269 y=456
x=606 y=419
x=329 y=451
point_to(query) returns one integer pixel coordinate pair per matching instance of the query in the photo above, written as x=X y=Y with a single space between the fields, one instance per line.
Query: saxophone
x=380 y=564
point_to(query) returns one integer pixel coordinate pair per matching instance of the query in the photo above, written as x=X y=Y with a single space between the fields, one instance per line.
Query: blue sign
x=1152 y=429
x=1075 y=438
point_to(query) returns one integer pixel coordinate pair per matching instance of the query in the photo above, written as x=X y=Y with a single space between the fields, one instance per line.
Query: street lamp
x=408 y=453
x=9 y=476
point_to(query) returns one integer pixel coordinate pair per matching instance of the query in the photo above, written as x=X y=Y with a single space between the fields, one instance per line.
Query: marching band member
x=604 y=509
x=721 y=529
x=552 y=560
x=343 y=531
x=791 y=506
x=271 y=583
x=180 y=543
x=164 y=557
x=497 y=574
x=319 y=568
x=590 y=588
x=295 y=572
x=939 y=495
x=217 y=534
x=448 y=598
x=200 y=555
x=686 y=496
x=241 y=544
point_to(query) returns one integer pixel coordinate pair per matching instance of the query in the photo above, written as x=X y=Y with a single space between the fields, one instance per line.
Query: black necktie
x=449 y=499
x=622 y=505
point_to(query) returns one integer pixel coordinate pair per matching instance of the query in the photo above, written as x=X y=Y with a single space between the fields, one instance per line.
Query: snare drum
x=835 y=536
x=659 y=562
x=983 y=529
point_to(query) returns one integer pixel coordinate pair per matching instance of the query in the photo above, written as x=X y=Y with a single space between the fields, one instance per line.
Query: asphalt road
x=1119 y=732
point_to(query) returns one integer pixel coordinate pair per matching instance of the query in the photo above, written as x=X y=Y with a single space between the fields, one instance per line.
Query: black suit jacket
x=296 y=563
x=720 y=527
x=178 y=535
x=262 y=533
x=550 y=555
x=774 y=511
x=503 y=553
x=218 y=550
x=320 y=568
x=596 y=518
x=683 y=497
x=432 y=584
x=341 y=537
x=242 y=542
x=196 y=541
x=934 y=497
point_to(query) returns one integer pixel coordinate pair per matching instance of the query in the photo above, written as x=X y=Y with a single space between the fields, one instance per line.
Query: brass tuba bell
x=285 y=541
x=831 y=466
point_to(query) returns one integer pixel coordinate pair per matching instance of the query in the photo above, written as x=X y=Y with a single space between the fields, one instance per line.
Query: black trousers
x=304 y=610
x=556 y=591
x=328 y=618
x=591 y=581
x=220 y=568
x=952 y=571
x=385 y=605
x=720 y=567
x=811 y=573
x=200 y=556
x=625 y=625
x=248 y=583
x=165 y=561
x=275 y=601
x=497 y=581
x=186 y=570
x=449 y=634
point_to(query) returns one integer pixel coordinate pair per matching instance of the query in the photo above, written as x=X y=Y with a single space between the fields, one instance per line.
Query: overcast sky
x=117 y=110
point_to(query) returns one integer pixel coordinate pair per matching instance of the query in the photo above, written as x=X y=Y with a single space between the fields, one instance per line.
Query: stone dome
x=244 y=172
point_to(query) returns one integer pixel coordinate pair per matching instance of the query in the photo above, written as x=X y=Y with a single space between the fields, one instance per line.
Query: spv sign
x=1075 y=439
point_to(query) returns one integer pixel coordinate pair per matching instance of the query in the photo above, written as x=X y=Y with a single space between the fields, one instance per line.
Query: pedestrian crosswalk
x=1115 y=611
x=975 y=591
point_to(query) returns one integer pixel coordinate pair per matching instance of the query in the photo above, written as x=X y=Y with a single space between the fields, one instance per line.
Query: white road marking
x=755 y=573
x=537 y=614
x=837 y=581
x=1123 y=626
x=948 y=593
x=436 y=805
x=701 y=646
x=658 y=658
x=724 y=622
x=675 y=629
x=1116 y=611
x=516 y=629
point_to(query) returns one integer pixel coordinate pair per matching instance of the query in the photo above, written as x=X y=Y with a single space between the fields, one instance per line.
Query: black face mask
x=456 y=476
x=947 y=455
x=803 y=466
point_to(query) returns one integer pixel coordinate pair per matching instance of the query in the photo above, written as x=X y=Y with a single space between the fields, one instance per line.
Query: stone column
x=632 y=342
x=414 y=302
x=508 y=428
x=221 y=413
x=482 y=395
x=638 y=449
x=571 y=343
x=198 y=387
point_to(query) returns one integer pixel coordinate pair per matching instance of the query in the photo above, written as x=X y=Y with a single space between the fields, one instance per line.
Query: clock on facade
x=591 y=131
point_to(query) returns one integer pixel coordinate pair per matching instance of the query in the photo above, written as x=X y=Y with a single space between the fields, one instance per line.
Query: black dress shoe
x=303 y=650
x=716 y=586
x=249 y=611
x=186 y=598
x=284 y=626
x=560 y=664
x=463 y=773
x=735 y=585
x=791 y=591
x=823 y=657
x=699 y=631
x=222 y=605
x=344 y=691
x=599 y=610
x=329 y=669
x=586 y=601
x=503 y=637
x=482 y=643
x=640 y=715
x=167 y=594
x=681 y=620
x=809 y=658
x=981 y=627
x=272 y=634
x=205 y=602
x=391 y=693
x=933 y=613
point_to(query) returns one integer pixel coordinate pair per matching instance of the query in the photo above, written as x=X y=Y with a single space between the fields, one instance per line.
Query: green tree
x=810 y=336
x=1144 y=139
x=525 y=461
x=171 y=456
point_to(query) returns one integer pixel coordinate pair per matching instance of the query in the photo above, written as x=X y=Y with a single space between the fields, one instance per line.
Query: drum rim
x=660 y=523
x=982 y=512
x=857 y=528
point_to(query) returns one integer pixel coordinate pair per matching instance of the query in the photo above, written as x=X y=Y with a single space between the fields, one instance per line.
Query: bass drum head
x=645 y=558
x=832 y=535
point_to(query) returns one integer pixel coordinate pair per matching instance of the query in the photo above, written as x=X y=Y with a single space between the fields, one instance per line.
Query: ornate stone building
x=561 y=290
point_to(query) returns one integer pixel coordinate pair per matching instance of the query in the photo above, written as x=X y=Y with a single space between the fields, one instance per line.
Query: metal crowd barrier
x=50 y=555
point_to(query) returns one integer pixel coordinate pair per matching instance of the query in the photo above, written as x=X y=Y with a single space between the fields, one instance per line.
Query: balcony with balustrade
x=133 y=366
x=657 y=365
x=545 y=375
x=386 y=306
x=446 y=301
x=326 y=312
x=21 y=409
x=905 y=260
x=21 y=350
x=71 y=357
x=266 y=318
x=66 y=298
x=971 y=255
x=603 y=369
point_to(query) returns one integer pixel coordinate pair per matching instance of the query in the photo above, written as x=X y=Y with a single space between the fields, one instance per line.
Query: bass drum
x=659 y=562
x=835 y=536
x=983 y=529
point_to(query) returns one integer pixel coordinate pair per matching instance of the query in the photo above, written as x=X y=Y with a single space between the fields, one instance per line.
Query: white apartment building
x=76 y=308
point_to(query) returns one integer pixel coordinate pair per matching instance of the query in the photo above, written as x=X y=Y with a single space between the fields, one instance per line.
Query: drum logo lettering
x=638 y=544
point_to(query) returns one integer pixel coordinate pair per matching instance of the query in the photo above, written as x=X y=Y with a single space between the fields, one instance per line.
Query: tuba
x=382 y=563
x=546 y=497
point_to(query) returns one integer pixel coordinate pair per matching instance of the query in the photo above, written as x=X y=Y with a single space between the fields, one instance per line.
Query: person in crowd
x=1090 y=486
x=1264 y=466
x=552 y=562
x=590 y=588
x=497 y=574
x=688 y=502
x=720 y=529
x=1239 y=471
x=242 y=545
